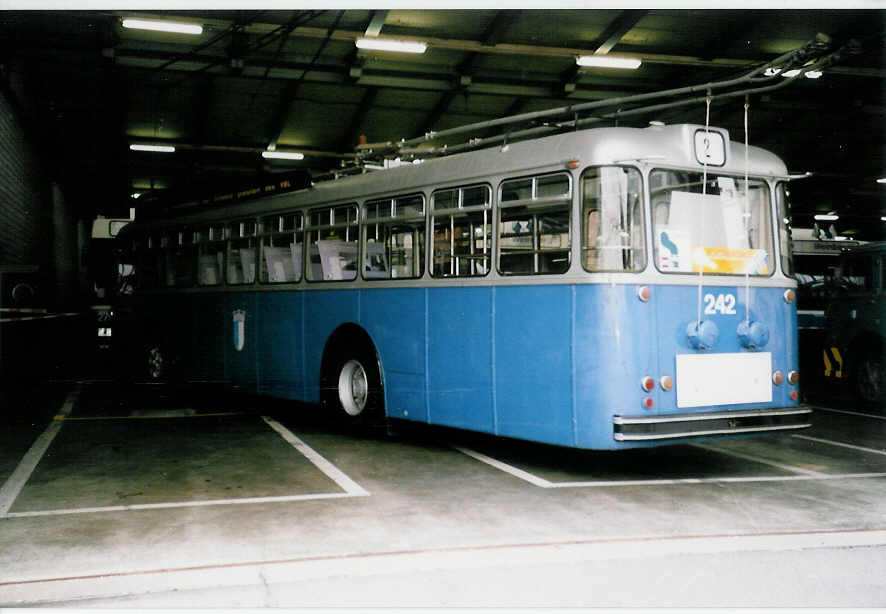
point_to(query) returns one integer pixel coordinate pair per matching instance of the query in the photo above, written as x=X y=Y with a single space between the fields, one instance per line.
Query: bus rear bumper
x=677 y=426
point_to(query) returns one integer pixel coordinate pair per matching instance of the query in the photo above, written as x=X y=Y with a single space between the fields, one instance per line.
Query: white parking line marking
x=800 y=474
x=757 y=459
x=176 y=504
x=153 y=416
x=842 y=445
x=518 y=473
x=764 y=478
x=331 y=471
x=13 y=486
x=851 y=413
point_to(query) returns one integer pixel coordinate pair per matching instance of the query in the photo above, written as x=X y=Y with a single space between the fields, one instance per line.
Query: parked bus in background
x=109 y=277
x=816 y=258
x=855 y=345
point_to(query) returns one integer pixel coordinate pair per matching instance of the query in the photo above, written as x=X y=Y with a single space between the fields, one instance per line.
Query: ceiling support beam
x=439 y=110
x=616 y=30
x=282 y=112
x=351 y=136
x=493 y=33
x=201 y=108
x=376 y=23
x=293 y=87
x=609 y=38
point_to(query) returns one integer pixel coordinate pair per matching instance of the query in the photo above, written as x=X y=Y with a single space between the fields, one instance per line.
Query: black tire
x=352 y=391
x=870 y=379
x=157 y=362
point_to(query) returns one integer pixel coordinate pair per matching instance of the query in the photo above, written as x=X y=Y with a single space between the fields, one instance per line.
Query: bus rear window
x=722 y=229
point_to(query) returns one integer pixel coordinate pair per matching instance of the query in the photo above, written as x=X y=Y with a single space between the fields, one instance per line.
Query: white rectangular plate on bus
x=723 y=379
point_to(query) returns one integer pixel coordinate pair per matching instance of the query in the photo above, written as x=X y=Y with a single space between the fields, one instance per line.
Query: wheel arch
x=347 y=336
x=866 y=341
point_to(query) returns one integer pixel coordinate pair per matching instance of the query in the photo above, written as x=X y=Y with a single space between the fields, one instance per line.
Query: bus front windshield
x=724 y=229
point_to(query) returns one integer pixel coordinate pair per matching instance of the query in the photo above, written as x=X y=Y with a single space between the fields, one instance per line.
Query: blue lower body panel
x=558 y=364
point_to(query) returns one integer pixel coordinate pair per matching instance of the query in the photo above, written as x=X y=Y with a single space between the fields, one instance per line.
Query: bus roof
x=671 y=146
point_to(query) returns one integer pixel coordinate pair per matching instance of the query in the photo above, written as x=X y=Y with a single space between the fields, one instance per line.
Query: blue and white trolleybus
x=603 y=288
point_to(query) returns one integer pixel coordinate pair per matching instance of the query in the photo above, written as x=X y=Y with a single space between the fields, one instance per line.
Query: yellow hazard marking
x=839 y=359
x=59 y=417
x=827 y=363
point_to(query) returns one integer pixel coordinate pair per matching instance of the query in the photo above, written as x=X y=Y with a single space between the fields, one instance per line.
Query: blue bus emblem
x=239 y=329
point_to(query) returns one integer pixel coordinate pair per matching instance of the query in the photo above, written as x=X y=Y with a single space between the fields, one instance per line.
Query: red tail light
x=778 y=378
x=793 y=378
x=647 y=383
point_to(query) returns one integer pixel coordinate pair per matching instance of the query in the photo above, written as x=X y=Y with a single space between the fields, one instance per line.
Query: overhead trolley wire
x=807 y=58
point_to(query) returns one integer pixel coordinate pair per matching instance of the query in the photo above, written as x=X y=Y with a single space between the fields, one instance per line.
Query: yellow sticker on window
x=729 y=261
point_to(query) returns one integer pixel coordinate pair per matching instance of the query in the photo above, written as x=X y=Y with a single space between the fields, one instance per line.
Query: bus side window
x=333 y=234
x=393 y=238
x=147 y=260
x=534 y=225
x=858 y=273
x=462 y=231
x=242 y=252
x=185 y=259
x=282 y=245
x=211 y=255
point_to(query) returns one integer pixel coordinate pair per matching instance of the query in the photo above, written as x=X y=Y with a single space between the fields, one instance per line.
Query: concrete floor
x=144 y=495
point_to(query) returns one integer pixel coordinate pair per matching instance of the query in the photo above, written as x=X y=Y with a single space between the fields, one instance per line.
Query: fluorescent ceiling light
x=809 y=74
x=771 y=72
x=157 y=148
x=163 y=26
x=881 y=180
x=883 y=219
x=387 y=44
x=283 y=155
x=135 y=194
x=827 y=218
x=608 y=61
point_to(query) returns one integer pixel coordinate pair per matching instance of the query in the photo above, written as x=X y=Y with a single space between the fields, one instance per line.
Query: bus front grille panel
x=651 y=428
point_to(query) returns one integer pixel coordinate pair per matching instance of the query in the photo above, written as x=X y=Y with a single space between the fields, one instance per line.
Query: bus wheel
x=156 y=363
x=870 y=378
x=354 y=390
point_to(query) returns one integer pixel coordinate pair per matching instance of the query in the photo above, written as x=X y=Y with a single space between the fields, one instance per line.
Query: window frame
x=265 y=239
x=310 y=228
x=418 y=221
x=183 y=239
x=535 y=205
x=767 y=209
x=461 y=211
x=785 y=238
x=237 y=232
x=213 y=235
x=646 y=223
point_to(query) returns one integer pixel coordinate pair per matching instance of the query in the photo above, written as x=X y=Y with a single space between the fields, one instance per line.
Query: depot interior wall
x=38 y=226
